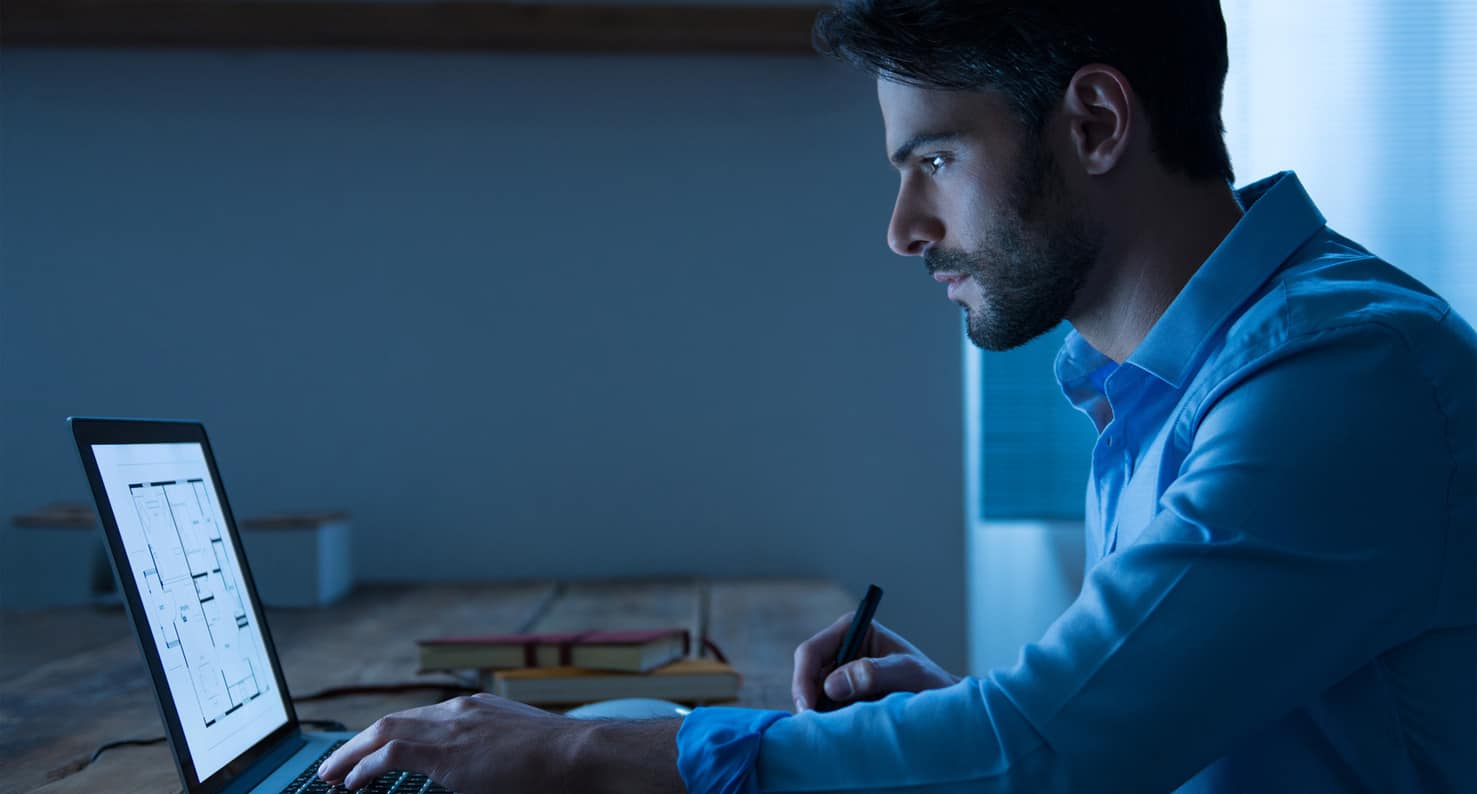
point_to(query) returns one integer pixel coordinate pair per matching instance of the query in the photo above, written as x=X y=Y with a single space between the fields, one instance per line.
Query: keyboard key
x=393 y=782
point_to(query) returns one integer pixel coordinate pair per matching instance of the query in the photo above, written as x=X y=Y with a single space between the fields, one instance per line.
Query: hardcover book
x=623 y=651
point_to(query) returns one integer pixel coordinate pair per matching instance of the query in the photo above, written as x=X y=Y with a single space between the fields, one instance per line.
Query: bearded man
x=1281 y=513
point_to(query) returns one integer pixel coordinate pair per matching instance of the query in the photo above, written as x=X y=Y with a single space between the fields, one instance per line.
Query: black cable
x=327 y=725
x=120 y=743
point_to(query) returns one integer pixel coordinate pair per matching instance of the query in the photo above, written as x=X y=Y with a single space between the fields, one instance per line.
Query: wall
x=523 y=315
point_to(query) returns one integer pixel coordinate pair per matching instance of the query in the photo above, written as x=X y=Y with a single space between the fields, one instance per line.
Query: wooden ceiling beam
x=368 y=24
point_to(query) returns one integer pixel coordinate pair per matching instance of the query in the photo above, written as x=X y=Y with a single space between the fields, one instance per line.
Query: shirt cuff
x=717 y=748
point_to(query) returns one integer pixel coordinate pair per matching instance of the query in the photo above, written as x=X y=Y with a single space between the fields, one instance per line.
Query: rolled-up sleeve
x=716 y=748
x=1301 y=538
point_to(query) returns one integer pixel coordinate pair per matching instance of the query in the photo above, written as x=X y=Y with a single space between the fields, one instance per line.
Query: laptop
x=188 y=590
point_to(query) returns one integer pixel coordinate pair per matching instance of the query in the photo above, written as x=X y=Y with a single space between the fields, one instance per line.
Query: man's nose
x=912 y=228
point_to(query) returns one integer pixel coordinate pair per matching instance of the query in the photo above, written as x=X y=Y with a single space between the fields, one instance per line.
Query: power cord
x=120 y=743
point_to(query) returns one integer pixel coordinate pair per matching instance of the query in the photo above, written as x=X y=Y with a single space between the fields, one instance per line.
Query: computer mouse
x=629 y=709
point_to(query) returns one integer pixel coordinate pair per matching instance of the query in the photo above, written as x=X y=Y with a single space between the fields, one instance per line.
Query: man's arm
x=484 y=743
x=1301 y=538
x=625 y=757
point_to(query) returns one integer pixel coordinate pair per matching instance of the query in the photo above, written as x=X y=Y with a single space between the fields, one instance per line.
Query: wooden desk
x=72 y=679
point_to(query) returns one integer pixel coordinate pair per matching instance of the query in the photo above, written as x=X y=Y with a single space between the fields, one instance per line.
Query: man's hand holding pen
x=885 y=663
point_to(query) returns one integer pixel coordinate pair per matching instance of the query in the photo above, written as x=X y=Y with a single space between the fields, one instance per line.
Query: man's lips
x=954 y=280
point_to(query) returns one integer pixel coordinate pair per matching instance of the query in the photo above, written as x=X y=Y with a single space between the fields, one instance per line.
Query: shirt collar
x=1279 y=218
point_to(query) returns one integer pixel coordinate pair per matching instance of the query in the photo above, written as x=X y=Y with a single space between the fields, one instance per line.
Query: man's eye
x=932 y=163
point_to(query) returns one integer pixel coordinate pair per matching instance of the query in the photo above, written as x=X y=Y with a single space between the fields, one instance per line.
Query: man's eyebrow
x=906 y=150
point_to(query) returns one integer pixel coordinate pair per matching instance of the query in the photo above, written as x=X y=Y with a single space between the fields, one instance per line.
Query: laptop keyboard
x=388 y=783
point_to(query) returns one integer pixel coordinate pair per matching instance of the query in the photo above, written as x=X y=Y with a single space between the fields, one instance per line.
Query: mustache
x=936 y=260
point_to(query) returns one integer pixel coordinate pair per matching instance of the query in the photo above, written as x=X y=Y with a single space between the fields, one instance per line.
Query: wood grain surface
x=72 y=679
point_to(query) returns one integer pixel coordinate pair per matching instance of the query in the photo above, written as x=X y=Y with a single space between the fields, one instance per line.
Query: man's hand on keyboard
x=487 y=743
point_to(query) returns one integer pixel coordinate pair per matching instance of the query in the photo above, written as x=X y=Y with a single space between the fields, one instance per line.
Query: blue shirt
x=1280 y=587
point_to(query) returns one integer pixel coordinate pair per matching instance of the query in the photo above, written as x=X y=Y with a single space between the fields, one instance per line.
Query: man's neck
x=1152 y=249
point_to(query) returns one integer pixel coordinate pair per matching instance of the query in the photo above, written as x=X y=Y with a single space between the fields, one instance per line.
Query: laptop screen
x=203 y=623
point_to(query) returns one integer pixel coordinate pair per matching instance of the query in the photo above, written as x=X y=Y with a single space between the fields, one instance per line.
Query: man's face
x=983 y=202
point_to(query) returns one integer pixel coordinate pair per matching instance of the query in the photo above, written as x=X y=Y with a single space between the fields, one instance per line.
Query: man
x=1281 y=511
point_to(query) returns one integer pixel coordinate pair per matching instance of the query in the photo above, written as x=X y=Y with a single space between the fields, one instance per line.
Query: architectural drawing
x=195 y=603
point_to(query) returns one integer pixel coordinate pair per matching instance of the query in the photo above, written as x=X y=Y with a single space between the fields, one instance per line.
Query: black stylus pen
x=851 y=644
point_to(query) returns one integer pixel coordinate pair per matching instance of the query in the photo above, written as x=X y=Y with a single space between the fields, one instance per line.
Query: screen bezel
x=89 y=432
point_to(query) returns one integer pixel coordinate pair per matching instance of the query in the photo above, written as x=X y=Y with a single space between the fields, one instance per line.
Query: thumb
x=857 y=680
x=868 y=679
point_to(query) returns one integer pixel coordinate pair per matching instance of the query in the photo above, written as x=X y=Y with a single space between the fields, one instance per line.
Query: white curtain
x=1374 y=104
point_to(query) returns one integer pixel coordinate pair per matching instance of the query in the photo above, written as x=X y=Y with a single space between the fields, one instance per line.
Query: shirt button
x=1110 y=441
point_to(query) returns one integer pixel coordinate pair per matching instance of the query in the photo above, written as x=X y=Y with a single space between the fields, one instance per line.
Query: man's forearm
x=621 y=756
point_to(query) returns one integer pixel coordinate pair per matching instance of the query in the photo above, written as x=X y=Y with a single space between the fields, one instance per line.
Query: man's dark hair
x=1173 y=53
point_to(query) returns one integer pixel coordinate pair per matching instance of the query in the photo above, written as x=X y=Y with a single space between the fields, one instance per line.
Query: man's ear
x=1099 y=109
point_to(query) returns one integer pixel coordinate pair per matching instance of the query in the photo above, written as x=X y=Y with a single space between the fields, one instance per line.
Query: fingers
x=393 y=727
x=868 y=679
x=812 y=658
x=394 y=754
x=853 y=681
x=422 y=740
x=336 y=766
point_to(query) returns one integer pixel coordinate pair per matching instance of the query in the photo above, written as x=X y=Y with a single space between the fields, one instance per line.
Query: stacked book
x=582 y=667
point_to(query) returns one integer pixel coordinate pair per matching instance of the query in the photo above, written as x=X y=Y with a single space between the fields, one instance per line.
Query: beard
x=1035 y=261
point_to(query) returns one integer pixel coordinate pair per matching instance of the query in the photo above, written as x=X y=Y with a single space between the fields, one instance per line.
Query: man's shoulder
x=1341 y=346
x=1334 y=294
x=1331 y=292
